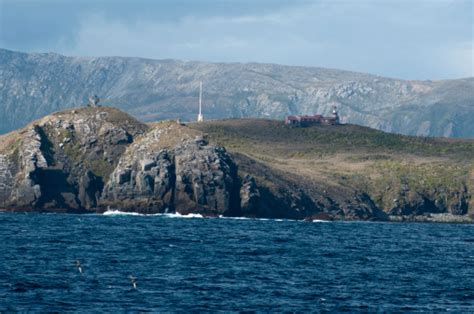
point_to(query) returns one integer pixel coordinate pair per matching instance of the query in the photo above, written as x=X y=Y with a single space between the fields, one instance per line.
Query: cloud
x=459 y=57
x=407 y=39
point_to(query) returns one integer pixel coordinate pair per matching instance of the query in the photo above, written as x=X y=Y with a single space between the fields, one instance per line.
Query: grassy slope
x=349 y=157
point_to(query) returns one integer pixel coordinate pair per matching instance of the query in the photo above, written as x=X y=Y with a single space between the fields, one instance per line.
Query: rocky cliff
x=61 y=161
x=173 y=169
x=34 y=85
x=94 y=159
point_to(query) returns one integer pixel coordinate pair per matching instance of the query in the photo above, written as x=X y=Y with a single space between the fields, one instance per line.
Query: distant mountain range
x=35 y=84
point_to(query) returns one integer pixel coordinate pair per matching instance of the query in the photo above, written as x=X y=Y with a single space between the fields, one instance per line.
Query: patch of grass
x=367 y=157
x=251 y=135
x=395 y=179
x=99 y=167
x=9 y=142
x=13 y=154
x=73 y=151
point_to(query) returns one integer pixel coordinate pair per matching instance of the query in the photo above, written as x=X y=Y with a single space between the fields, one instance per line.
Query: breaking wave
x=115 y=212
x=120 y=213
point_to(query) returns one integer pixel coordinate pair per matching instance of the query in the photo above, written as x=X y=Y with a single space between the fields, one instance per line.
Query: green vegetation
x=252 y=136
x=14 y=151
x=386 y=166
x=73 y=151
x=99 y=167
x=444 y=181
x=76 y=153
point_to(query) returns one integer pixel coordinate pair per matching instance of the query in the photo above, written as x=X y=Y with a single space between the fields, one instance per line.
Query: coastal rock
x=206 y=179
x=134 y=187
x=57 y=167
x=249 y=196
x=96 y=158
x=189 y=176
x=361 y=206
x=90 y=189
x=6 y=179
x=31 y=158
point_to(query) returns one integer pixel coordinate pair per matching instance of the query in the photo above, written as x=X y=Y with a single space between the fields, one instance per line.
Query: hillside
x=402 y=175
x=34 y=85
x=91 y=159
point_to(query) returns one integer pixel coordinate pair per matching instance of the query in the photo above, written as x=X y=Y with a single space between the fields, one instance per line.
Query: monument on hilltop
x=200 y=117
x=93 y=101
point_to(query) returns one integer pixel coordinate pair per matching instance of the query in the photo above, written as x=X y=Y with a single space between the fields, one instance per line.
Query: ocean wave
x=269 y=219
x=178 y=215
x=116 y=212
x=259 y=219
x=121 y=213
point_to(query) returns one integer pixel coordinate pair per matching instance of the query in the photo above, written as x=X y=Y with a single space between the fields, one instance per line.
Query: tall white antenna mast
x=200 y=116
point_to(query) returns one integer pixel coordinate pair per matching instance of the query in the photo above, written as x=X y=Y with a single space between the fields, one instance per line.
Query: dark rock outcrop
x=6 y=179
x=190 y=176
x=249 y=196
x=90 y=189
x=206 y=179
x=60 y=161
x=26 y=191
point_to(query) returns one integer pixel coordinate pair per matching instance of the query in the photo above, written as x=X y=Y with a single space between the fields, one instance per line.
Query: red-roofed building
x=317 y=119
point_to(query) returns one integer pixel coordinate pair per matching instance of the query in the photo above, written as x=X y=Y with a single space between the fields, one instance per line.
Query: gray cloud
x=407 y=39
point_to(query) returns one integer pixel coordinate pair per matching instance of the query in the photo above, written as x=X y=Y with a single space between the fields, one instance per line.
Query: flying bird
x=79 y=266
x=133 y=280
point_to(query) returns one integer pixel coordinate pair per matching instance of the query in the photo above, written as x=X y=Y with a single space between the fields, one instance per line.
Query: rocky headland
x=93 y=159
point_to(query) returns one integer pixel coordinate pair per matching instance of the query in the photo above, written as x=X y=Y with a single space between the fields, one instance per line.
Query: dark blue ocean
x=196 y=264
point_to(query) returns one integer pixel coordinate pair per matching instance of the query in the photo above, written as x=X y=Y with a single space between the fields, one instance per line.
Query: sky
x=409 y=39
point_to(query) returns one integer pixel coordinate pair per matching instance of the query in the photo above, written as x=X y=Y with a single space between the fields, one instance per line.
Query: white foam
x=178 y=215
x=258 y=219
x=116 y=212
x=235 y=218
x=120 y=213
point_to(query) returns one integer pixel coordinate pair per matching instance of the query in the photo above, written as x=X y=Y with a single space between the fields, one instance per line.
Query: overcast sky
x=411 y=39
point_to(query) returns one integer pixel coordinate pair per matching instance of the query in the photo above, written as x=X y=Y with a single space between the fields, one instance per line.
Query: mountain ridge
x=33 y=85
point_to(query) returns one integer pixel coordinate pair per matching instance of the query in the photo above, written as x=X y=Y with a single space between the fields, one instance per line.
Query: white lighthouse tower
x=335 y=114
x=200 y=116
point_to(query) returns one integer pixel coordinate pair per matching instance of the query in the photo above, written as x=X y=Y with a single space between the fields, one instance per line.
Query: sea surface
x=197 y=264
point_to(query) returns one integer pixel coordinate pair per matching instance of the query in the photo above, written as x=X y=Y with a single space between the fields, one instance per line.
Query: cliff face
x=93 y=159
x=61 y=161
x=34 y=85
x=174 y=169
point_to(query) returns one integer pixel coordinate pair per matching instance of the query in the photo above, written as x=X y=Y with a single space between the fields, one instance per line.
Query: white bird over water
x=133 y=280
x=79 y=266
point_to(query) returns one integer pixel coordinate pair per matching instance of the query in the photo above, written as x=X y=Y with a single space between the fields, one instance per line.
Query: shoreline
x=429 y=218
